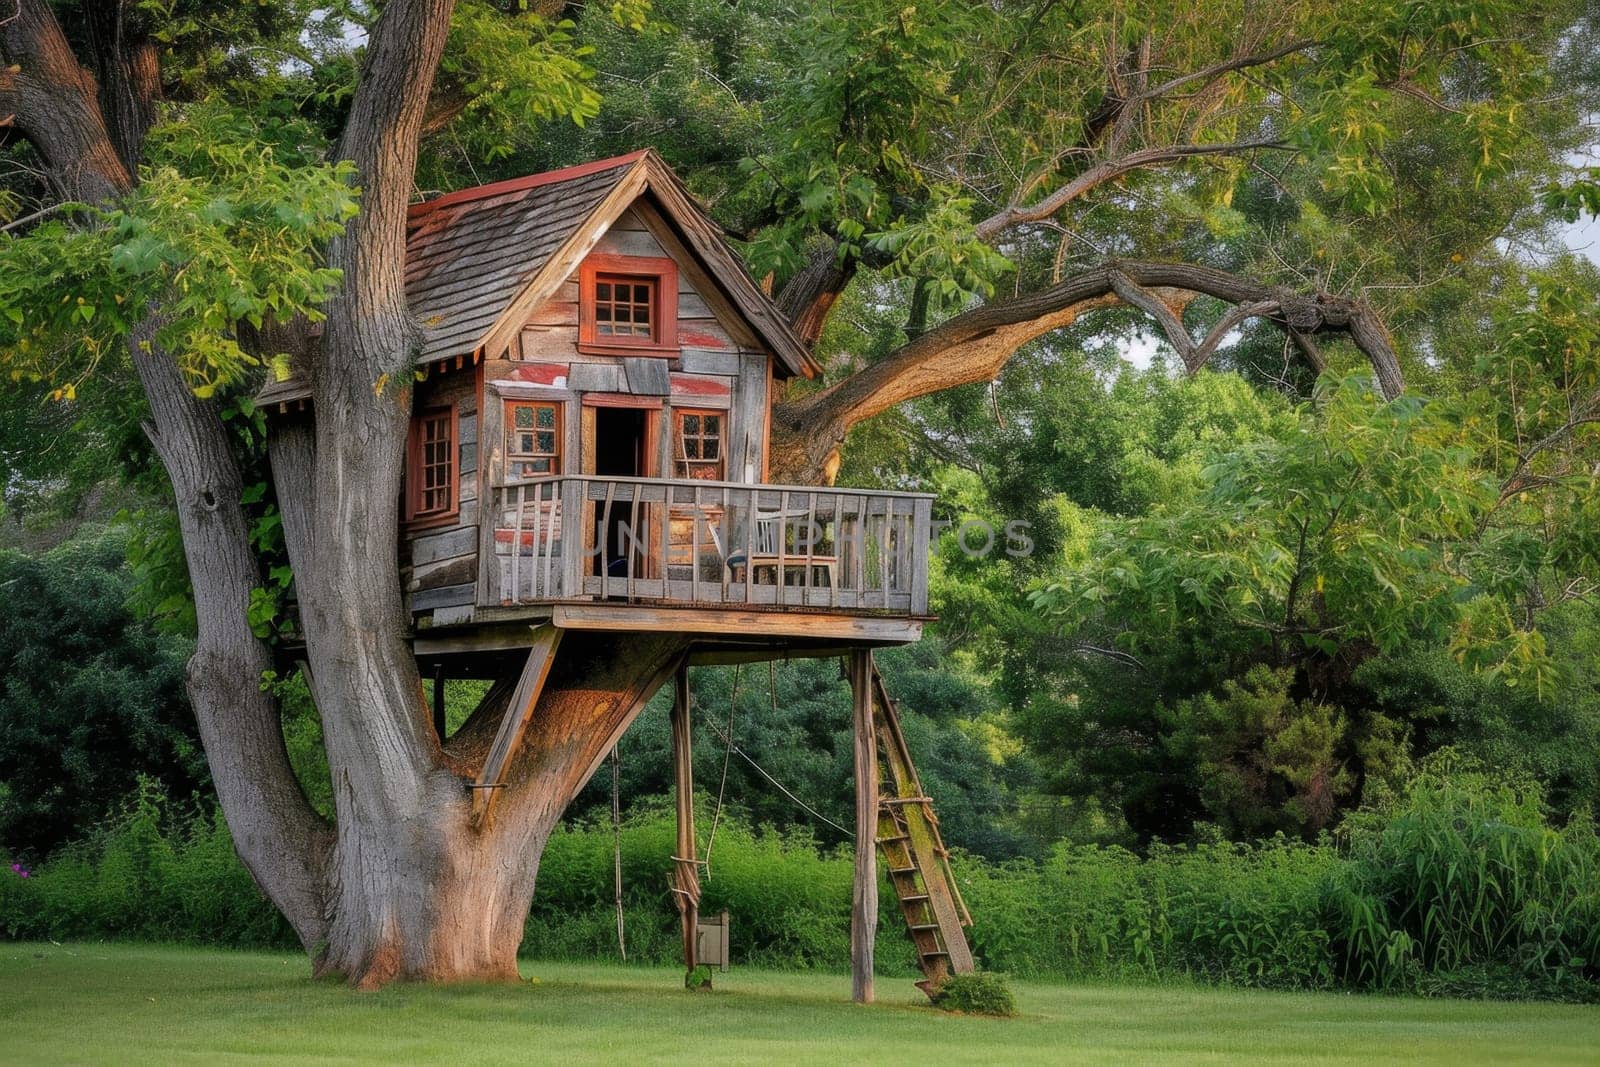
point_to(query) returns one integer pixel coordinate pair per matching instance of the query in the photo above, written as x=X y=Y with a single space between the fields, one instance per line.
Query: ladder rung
x=893 y=837
x=914 y=897
x=902 y=870
x=923 y=926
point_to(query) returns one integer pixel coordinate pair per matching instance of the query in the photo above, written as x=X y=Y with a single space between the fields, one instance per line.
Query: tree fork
x=448 y=899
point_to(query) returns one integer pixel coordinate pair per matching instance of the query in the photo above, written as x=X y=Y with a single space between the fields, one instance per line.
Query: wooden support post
x=864 y=898
x=438 y=701
x=685 y=867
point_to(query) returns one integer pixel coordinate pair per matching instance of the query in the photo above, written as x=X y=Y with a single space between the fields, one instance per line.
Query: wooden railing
x=652 y=540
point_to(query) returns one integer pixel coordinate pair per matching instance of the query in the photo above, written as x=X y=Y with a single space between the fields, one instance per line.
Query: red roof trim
x=531 y=181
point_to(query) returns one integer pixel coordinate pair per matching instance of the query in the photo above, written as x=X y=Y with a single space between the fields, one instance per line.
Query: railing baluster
x=516 y=549
x=573 y=551
x=858 y=543
x=783 y=545
x=603 y=535
x=694 y=544
x=550 y=537
x=749 y=542
x=811 y=547
x=533 y=561
x=663 y=547
x=631 y=544
x=888 y=551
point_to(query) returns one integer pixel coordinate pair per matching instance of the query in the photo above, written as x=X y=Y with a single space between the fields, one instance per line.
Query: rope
x=813 y=812
x=716 y=818
x=616 y=839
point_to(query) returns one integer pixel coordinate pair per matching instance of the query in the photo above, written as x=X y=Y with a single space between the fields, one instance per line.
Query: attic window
x=628 y=305
x=624 y=306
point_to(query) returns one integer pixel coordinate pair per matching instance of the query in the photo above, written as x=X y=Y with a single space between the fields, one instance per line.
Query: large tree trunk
x=419 y=890
x=276 y=833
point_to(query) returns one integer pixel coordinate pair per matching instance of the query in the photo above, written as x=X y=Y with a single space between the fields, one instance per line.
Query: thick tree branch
x=54 y=104
x=1017 y=214
x=127 y=65
x=808 y=297
x=976 y=345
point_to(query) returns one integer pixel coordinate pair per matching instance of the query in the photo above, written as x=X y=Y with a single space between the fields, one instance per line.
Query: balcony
x=600 y=547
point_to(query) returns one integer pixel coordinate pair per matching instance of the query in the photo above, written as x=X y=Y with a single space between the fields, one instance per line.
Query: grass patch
x=92 y=1003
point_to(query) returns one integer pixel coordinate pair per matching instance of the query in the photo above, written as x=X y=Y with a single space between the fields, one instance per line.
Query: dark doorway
x=621 y=450
x=620 y=436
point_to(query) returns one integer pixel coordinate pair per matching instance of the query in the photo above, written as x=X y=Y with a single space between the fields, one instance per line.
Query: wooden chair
x=767 y=554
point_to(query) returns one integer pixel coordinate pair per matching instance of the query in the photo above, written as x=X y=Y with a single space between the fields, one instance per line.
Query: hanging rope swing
x=730 y=749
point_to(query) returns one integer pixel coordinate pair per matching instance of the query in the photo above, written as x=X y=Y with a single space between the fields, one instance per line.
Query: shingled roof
x=475 y=255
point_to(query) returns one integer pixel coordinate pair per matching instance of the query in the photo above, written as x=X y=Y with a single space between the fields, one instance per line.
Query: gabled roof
x=477 y=258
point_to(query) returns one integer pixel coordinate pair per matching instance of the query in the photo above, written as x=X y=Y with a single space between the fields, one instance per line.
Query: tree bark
x=54 y=104
x=406 y=863
x=281 y=840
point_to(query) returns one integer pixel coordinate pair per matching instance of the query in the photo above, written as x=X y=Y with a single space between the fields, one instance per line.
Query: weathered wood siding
x=439 y=562
x=720 y=366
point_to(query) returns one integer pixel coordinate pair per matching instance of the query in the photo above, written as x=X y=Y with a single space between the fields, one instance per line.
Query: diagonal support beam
x=519 y=712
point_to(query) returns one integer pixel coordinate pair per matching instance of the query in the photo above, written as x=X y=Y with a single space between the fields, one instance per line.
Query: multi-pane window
x=698 y=450
x=433 y=464
x=628 y=305
x=533 y=438
x=624 y=306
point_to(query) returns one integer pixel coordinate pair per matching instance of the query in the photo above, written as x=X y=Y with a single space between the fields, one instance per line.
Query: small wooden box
x=711 y=942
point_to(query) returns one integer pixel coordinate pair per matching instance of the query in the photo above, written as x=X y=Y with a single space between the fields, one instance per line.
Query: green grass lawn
x=147 y=1004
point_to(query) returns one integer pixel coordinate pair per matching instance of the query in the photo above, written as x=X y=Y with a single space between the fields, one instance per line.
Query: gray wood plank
x=428 y=547
x=444 y=597
x=647 y=376
x=594 y=378
x=707 y=361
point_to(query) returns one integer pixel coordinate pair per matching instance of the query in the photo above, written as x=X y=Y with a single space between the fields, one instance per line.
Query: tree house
x=587 y=455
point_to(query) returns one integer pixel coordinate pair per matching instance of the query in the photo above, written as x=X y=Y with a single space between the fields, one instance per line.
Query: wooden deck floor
x=722 y=634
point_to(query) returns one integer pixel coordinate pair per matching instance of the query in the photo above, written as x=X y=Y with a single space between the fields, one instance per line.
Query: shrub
x=1464 y=877
x=1460 y=886
x=979 y=993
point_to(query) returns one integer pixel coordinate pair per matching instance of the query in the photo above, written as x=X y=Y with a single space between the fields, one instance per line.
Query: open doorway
x=622 y=449
x=621 y=436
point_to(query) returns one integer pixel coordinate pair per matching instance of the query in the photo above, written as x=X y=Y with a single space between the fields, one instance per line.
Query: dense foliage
x=91 y=695
x=1459 y=885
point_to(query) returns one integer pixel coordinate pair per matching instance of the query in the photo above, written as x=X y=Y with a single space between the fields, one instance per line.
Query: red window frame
x=685 y=465
x=660 y=273
x=424 y=503
x=514 y=456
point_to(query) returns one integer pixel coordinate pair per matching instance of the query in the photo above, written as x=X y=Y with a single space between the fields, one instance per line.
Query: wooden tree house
x=587 y=456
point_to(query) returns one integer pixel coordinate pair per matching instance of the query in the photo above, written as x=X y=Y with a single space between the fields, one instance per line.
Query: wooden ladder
x=914 y=852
